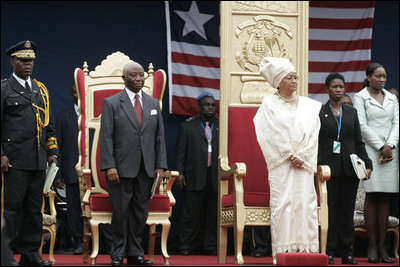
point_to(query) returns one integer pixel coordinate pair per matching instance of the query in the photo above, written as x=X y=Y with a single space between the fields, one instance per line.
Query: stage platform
x=192 y=260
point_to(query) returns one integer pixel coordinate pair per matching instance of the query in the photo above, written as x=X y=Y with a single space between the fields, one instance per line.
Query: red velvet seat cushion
x=301 y=259
x=159 y=203
x=101 y=202
x=250 y=199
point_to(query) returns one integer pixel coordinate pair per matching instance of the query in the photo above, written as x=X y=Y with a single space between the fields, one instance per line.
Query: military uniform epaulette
x=4 y=80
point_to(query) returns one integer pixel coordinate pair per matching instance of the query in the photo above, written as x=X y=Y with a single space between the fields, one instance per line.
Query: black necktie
x=27 y=87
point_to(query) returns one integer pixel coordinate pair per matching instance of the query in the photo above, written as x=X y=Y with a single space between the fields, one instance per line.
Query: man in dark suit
x=196 y=159
x=67 y=134
x=340 y=136
x=28 y=143
x=132 y=149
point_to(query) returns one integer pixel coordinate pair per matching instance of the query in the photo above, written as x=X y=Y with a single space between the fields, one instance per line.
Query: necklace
x=286 y=99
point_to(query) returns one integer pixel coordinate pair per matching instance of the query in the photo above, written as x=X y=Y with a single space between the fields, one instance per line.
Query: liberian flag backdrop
x=193 y=53
x=339 y=41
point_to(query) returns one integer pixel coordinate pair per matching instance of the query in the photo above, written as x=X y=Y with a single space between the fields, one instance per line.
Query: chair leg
x=95 y=241
x=152 y=231
x=41 y=245
x=164 y=238
x=52 y=242
x=239 y=229
x=324 y=237
x=86 y=237
x=222 y=244
x=396 y=243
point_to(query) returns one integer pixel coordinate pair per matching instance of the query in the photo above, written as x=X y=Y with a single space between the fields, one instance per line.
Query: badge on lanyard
x=337 y=144
x=336 y=147
x=209 y=147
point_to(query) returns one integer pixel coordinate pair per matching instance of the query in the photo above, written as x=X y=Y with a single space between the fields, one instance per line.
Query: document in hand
x=154 y=187
x=359 y=166
x=50 y=175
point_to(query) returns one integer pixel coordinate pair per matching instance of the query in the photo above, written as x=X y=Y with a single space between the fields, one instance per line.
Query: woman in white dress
x=378 y=112
x=287 y=128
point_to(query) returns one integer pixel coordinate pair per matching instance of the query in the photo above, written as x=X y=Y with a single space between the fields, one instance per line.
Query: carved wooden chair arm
x=166 y=185
x=239 y=169
x=86 y=197
x=324 y=172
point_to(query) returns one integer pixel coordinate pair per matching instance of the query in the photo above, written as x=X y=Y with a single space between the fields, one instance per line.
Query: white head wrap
x=274 y=69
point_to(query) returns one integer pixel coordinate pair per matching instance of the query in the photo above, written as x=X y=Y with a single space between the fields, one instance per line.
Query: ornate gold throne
x=250 y=31
x=93 y=87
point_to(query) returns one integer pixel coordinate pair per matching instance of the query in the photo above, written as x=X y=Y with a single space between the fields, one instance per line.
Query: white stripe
x=340 y=35
x=341 y=13
x=338 y=56
x=324 y=97
x=192 y=70
x=319 y=97
x=193 y=49
x=168 y=24
x=193 y=92
x=349 y=76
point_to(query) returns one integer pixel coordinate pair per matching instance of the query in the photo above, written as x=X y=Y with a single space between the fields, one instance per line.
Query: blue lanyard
x=339 y=123
x=212 y=127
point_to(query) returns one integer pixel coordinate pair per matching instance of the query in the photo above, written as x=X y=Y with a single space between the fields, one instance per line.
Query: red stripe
x=337 y=24
x=189 y=59
x=342 y=4
x=186 y=106
x=195 y=81
x=319 y=88
x=324 y=45
x=338 y=66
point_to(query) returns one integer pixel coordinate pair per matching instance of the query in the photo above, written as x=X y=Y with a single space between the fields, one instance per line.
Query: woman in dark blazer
x=339 y=137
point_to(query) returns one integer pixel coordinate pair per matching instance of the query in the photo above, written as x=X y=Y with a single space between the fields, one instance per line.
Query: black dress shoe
x=349 y=260
x=387 y=260
x=258 y=253
x=33 y=261
x=330 y=260
x=78 y=250
x=117 y=261
x=373 y=260
x=138 y=260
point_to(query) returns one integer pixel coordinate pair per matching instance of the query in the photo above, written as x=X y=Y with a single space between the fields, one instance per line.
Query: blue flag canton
x=195 y=22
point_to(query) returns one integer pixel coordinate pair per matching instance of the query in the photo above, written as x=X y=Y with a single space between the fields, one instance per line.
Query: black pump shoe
x=373 y=260
x=387 y=260
x=349 y=260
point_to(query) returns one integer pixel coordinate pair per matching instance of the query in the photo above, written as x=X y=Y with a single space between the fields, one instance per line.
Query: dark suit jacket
x=18 y=126
x=191 y=153
x=67 y=136
x=350 y=138
x=123 y=143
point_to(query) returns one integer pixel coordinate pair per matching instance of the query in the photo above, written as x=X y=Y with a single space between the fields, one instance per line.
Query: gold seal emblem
x=27 y=44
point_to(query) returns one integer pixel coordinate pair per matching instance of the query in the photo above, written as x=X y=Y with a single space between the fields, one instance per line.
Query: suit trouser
x=197 y=204
x=261 y=238
x=74 y=212
x=130 y=201
x=342 y=192
x=23 y=197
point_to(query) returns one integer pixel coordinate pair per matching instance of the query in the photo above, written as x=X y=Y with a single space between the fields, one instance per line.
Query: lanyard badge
x=337 y=144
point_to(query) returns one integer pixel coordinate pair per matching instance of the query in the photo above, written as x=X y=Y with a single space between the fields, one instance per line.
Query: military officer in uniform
x=28 y=143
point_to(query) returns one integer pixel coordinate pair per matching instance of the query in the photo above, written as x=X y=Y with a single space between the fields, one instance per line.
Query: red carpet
x=176 y=260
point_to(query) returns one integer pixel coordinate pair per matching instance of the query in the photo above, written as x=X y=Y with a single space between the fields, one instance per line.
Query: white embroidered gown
x=284 y=129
